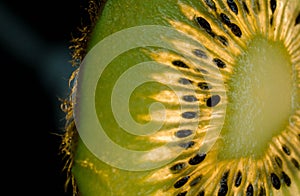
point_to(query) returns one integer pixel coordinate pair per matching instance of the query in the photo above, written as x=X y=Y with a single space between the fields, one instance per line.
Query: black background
x=31 y=89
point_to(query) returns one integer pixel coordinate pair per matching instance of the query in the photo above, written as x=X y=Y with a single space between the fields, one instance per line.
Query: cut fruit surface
x=196 y=98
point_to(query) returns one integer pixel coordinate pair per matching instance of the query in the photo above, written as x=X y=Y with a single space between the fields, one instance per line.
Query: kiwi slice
x=197 y=97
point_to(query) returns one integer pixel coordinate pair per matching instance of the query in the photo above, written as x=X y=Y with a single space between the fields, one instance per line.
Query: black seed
x=238 y=179
x=223 y=40
x=223 y=185
x=297 y=19
x=223 y=190
x=273 y=5
x=189 y=115
x=271 y=21
x=278 y=161
x=195 y=181
x=180 y=64
x=225 y=19
x=219 y=63
x=204 y=24
x=258 y=6
x=249 y=191
x=211 y=4
x=182 y=194
x=177 y=167
x=275 y=181
x=202 y=193
x=185 y=81
x=197 y=159
x=187 y=144
x=296 y=164
x=213 y=101
x=183 y=133
x=286 y=179
x=245 y=7
x=200 y=53
x=204 y=86
x=201 y=70
x=181 y=182
x=232 y=5
x=286 y=150
x=236 y=30
x=262 y=191
x=299 y=137
x=224 y=177
x=189 y=98
x=212 y=34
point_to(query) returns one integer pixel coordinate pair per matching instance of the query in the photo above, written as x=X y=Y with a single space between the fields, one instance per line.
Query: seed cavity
x=225 y=19
x=223 y=185
x=204 y=86
x=211 y=4
x=246 y=7
x=286 y=179
x=271 y=21
x=262 y=191
x=213 y=101
x=232 y=5
x=187 y=145
x=238 y=179
x=219 y=63
x=189 y=115
x=297 y=19
x=189 y=98
x=273 y=5
x=286 y=150
x=205 y=25
x=258 y=6
x=235 y=29
x=202 y=193
x=249 y=191
x=200 y=53
x=278 y=161
x=195 y=181
x=197 y=159
x=182 y=194
x=183 y=133
x=275 y=181
x=223 y=40
x=185 y=81
x=223 y=190
x=180 y=64
x=296 y=164
x=178 y=167
x=181 y=182
x=203 y=71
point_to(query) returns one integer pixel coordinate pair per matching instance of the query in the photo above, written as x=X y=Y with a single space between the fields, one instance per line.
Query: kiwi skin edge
x=70 y=138
x=78 y=50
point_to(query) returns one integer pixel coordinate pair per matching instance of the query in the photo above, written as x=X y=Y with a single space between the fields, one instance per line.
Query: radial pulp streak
x=228 y=100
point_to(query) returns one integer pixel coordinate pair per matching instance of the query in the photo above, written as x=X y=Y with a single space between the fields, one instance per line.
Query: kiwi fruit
x=187 y=97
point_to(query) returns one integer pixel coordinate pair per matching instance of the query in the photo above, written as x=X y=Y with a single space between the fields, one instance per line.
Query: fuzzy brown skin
x=78 y=48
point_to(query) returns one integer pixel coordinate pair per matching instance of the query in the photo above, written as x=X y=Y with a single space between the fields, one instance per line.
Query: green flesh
x=259 y=101
x=87 y=164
